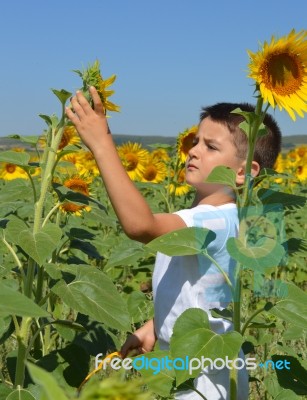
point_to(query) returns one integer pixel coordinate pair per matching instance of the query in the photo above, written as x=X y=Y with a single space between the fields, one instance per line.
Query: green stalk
x=32 y=184
x=29 y=277
x=228 y=281
x=245 y=326
x=22 y=340
x=237 y=303
x=251 y=149
x=49 y=160
x=50 y=213
x=243 y=203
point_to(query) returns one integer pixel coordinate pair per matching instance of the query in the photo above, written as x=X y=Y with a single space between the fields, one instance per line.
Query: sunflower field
x=73 y=285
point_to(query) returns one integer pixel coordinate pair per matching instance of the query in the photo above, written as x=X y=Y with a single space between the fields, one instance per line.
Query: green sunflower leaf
x=20 y=394
x=25 y=139
x=15 y=157
x=193 y=339
x=63 y=95
x=183 y=242
x=92 y=293
x=287 y=200
x=292 y=307
x=38 y=246
x=14 y=303
x=222 y=175
x=47 y=382
x=265 y=253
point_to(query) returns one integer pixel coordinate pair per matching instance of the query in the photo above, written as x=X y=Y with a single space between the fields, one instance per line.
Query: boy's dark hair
x=267 y=146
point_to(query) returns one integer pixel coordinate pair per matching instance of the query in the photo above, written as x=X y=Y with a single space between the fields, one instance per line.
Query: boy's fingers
x=82 y=102
x=98 y=106
x=131 y=343
x=71 y=115
x=77 y=107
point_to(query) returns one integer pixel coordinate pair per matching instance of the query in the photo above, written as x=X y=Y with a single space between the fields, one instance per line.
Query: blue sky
x=171 y=57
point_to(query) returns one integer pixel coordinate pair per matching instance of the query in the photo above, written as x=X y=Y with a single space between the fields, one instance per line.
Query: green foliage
x=183 y=242
x=15 y=303
x=50 y=387
x=223 y=175
x=38 y=246
x=16 y=158
x=292 y=307
x=193 y=337
x=91 y=292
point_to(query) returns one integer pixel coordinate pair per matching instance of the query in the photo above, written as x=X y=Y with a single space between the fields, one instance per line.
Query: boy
x=180 y=283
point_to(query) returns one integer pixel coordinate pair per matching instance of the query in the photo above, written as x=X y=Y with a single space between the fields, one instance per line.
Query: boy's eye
x=194 y=143
x=211 y=147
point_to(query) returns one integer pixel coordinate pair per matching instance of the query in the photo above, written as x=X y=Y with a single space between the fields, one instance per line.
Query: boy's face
x=213 y=147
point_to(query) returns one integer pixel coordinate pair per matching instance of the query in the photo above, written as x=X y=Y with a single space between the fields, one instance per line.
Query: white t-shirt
x=184 y=282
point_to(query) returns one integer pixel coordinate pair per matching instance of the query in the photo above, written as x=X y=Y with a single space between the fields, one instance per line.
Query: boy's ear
x=241 y=172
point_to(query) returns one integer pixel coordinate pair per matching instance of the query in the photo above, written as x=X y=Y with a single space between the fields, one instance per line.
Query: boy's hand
x=91 y=123
x=142 y=340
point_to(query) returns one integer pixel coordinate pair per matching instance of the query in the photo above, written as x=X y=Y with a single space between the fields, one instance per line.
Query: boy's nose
x=193 y=152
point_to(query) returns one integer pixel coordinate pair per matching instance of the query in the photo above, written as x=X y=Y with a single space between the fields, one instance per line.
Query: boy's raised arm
x=133 y=212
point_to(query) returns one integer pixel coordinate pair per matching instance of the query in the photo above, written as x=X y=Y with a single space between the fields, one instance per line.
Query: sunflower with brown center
x=279 y=69
x=134 y=159
x=70 y=163
x=69 y=137
x=185 y=142
x=10 y=171
x=154 y=171
x=79 y=184
x=87 y=164
x=161 y=155
x=179 y=185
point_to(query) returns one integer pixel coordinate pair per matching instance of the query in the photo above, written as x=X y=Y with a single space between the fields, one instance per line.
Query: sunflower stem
x=253 y=135
x=55 y=136
x=53 y=209
x=243 y=202
x=32 y=184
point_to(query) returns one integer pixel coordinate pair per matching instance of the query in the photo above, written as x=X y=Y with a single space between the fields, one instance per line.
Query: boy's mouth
x=191 y=166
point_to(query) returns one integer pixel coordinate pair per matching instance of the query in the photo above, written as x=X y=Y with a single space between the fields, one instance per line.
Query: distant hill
x=288 y=142
x=8 y=143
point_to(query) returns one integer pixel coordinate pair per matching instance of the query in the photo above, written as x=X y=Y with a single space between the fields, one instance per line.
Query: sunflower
x=185 y=142
x=160 y=154
x=35 y=165
x=280 y=163
x=72 y=162
x=155 y=170
x=134 y=159
x=104 y=93
x=179 y=186
x=80 y=184
x=69 y=137
x=279 y=69
x=92 y=77
x=302 y=151
x=10 y=171
x=301 y=172
x=88 y=164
